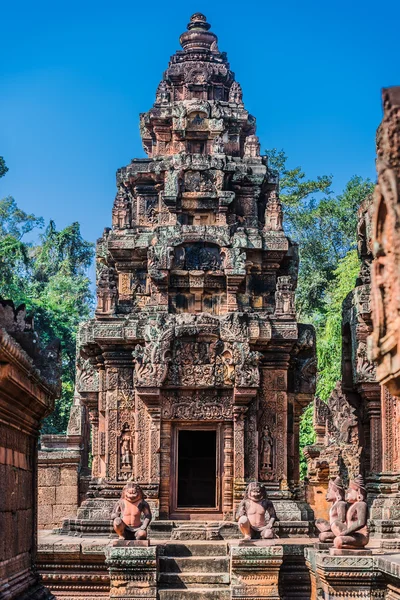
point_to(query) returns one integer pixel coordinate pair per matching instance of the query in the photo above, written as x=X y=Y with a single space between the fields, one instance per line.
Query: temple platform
x=287 y=568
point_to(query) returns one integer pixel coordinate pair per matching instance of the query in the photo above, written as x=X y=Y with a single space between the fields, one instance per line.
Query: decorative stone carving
x=106 y=291
x=127 y=514
x=162 y=93
x=218 y=145
x=256 y=514
x=187 y=316
x=251 y=147
x=353 y=534
x=235 y=93
x=284 y=297
x=386 y=246
x=337 y=513
x=273 y=213
x=338 y=449
x=126 y=453
x=267 y=454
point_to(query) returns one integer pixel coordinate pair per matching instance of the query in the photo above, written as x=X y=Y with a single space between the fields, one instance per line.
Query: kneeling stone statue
x=337 y=513
x=354 y=533
x=256 y=514
x=127 y=514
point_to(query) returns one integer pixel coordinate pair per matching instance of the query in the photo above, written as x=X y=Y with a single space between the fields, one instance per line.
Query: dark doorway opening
x=197 y=461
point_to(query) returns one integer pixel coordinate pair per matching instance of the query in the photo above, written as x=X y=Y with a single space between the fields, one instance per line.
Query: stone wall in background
x=59 y=467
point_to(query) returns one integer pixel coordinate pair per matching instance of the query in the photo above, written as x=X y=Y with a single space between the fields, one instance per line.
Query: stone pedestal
x=133 y=571
x=350 y=575
x=255 y=571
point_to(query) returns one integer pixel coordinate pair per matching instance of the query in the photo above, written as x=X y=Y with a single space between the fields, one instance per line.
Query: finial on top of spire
x=198 y=37
x=198 y=21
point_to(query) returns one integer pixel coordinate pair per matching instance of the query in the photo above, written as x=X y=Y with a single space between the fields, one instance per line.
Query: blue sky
x=75 y=75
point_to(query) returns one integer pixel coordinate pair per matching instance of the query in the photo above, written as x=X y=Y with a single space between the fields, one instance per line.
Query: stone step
x=183 y=580
x=195 y=594
x=194 y=564
x=195 y=549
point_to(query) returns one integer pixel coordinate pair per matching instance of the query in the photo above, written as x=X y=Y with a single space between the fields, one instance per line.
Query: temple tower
x=194 y=370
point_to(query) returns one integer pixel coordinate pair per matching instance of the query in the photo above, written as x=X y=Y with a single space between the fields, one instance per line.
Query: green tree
x=329 y=328
x=3 y=167
x=324 y=224
x=50 y=277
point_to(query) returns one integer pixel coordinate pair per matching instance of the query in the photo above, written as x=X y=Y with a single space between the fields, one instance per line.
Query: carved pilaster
x=165 y=468
x=273 y=414
x=228 y=469
x=120 y=416
x=154 y=449
x=94 y=423
x=239 y=413
x=371 y=392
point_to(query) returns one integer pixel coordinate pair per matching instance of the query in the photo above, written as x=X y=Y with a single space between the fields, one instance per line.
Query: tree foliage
x=3 y=167
x=325 y=224
x=50 y=277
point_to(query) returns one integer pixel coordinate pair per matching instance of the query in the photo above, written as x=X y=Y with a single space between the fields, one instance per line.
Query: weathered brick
x=53 y=476
x=46 y=495
x=67 y=494
x=42 y=477
x=63 y=511
x=45 y=515
x=69 y=476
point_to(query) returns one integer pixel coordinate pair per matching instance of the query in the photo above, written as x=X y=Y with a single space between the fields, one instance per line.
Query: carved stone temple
x=194 y=373
x=195 y=334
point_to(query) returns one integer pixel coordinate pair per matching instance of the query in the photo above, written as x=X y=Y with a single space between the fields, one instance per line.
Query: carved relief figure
x=252 y=146
x=284 y=297
x=267 y=450
x=162 y=93
x=256 y=514
x=273 y=213
x=337 y=513
x=127 y=514
x=235 y=93
x=218 y=145
x=353 y=534
x=106 y=291
x=126 y=451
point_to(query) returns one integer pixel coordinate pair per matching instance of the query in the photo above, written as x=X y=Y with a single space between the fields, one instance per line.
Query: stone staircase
x=194 y=571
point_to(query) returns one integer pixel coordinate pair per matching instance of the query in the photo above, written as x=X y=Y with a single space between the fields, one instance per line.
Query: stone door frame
x=186 y=512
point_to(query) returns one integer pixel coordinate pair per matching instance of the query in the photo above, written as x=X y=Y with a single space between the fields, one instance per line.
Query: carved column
x=94 y=422
x=274 y=414
x=154 y=445
x=227 y=498
x=390 y=431
x=165 y=468
x=371 y=392
x=238 y=448
x=120 y=407
x=102 y=397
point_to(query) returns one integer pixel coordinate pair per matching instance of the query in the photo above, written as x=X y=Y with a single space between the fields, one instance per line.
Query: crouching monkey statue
x=256 y=514
x=127 y=514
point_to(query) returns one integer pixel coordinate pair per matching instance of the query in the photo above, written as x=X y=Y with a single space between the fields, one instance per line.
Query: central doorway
x=197 y=468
